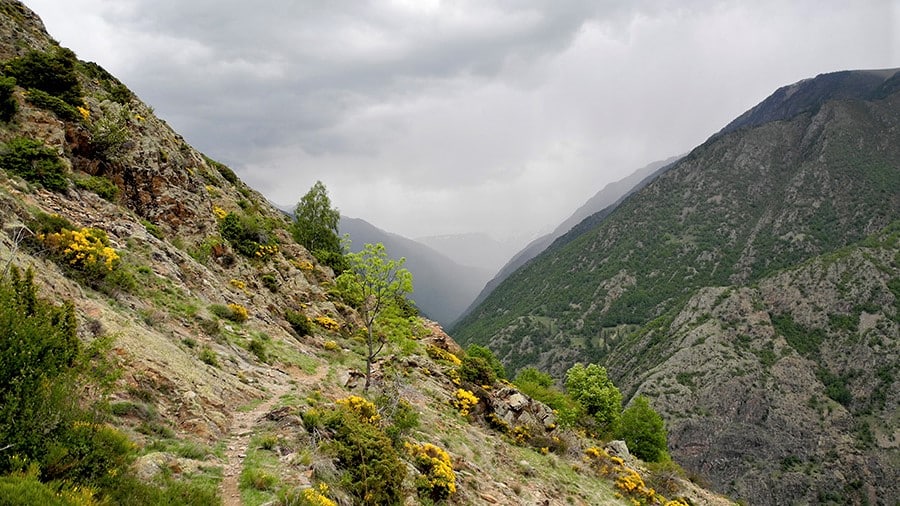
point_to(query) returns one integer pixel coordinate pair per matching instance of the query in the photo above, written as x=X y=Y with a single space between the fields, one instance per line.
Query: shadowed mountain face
x=812 y=169
x=443 y=288
x=596 y=208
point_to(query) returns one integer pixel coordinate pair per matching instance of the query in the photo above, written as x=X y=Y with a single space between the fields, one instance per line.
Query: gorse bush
x=437 y=481
x=34 y=162
x=372 y=471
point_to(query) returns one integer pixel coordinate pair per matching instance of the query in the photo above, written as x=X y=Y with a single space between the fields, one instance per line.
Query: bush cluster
x=437 y=481
x=298 y=321
x=247 y=235
x=100 y=185
x=52 y=72
x=34 y=162
x=372 y=471
x=8 y=104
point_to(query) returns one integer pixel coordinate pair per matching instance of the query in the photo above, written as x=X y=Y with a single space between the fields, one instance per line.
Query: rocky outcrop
x=785 y=392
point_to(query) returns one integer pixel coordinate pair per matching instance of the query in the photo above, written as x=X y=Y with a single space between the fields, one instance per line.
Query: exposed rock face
x=776 y=392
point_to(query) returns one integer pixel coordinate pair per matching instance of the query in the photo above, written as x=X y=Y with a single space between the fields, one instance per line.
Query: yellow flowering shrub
x=437 y=481
x=84 y=249
x=85 y=113
x=441 y=354
x=266 y=250
x=314 y=497
x=219 y=212
x=628 y=481
x=464 y=401
x=327 y=323
x=361 y=407
x=303 y=265
x=237 y=283
x=331 y=345
x=239 y=313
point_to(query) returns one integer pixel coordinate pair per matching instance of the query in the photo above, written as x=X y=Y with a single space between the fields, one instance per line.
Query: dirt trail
x=242 y=429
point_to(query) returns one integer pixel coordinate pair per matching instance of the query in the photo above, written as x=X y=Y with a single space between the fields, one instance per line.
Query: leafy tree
x=643 y=430
x=377 y=282
x=591 y=387
x=475 y=350
x=316 y=226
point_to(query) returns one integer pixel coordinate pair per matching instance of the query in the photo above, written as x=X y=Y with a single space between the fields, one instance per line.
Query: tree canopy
x=374 y=281
x=600 y=398
x=643 y=431
x=316 y=226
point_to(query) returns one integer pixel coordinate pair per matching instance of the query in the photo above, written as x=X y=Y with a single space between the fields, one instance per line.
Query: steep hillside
x=741 y=206
x=209 y=358
x=597 y=207
x=444 y=288
x=814 y=168
x=785 y=391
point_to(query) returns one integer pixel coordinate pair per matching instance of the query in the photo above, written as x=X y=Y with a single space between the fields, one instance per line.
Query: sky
x=429 y=117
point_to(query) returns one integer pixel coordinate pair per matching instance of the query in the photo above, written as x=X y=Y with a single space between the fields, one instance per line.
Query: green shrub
x=258 y=347
x=152 y=229
x=34 y=162
x=270 y=282
x=52 y=72
x=298 y=321
x=17 y=489
x=88 y=453
x=224 y=170
x=475 y=350
x=50 y=224
x=643 y=430
x=8 y=104
x=208 y=356
x=476 y=370
x=56 y=105
x=109 y=131
x=372 y=471
x=100 y=185
x=247 y=235
x=38 y=351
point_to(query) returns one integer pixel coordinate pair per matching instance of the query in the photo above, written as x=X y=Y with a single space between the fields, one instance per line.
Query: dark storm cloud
x=438 y=117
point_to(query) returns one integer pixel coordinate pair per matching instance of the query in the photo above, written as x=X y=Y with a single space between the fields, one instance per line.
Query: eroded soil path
x=242 y=428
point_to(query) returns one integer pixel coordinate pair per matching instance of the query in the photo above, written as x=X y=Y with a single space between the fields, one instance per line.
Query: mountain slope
x=740 y=206
x=443 y=288
x=787 y=182
x=776 y=390
x=602 y=202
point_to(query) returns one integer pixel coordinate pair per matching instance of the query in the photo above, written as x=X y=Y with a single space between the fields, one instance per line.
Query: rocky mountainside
x=597 y=207
x=812 y=169
x=444 y=288
x=206 y=358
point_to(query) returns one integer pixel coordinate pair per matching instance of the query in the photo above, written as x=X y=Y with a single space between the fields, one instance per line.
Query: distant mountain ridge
x=810 y=170
x=602 y=202
x=442 y=287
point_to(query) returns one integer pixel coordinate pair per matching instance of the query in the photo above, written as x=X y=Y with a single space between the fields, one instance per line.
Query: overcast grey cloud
x=430 y=117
